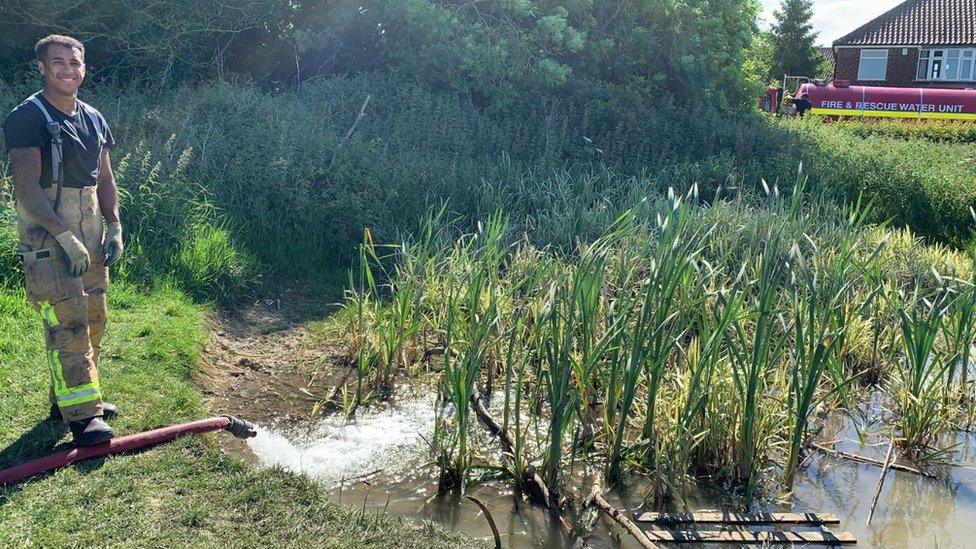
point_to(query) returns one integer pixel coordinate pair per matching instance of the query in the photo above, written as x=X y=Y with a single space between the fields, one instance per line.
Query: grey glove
x=112 y=247
x=75 y=253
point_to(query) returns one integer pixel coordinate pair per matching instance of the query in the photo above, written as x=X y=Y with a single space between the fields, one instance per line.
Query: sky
x=835 y=18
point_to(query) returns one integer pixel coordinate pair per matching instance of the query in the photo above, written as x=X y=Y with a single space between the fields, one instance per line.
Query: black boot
x=91 y=431
x=109 y=411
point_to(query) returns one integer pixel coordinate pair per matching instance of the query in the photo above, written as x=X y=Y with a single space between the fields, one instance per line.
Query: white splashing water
x=391 y=440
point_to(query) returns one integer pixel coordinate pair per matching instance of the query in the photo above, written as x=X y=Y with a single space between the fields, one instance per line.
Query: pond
x=382 y=461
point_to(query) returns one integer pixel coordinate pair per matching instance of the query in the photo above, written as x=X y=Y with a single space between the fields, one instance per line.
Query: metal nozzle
x=241 y=428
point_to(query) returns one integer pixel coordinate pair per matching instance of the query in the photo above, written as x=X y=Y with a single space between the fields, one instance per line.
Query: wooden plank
x=740 y=518
x=751 y=538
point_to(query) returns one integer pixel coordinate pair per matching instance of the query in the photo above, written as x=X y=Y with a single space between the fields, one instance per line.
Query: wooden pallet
x=813 y=519
x=682 y=528
x=751 y=538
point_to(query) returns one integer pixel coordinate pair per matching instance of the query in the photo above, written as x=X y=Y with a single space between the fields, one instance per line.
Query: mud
x=266 y=361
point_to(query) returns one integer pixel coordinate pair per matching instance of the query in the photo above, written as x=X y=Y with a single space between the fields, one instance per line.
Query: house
x=918 y=43
x=827 y=53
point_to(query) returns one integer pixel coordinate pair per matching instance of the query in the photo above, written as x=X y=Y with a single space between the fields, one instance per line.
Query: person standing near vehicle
x=64 y=185
x=803 y=104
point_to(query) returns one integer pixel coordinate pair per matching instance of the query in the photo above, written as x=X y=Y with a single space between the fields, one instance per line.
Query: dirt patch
x=269 y=361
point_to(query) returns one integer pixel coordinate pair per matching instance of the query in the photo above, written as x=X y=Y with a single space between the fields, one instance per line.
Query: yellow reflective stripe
x=894 y=114
x=72 y=392
x=57 y=375
x=79 y=397
x=47 y=311
x=70 y=396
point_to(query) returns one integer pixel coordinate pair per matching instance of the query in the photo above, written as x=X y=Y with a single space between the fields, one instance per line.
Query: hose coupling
x=241 y=428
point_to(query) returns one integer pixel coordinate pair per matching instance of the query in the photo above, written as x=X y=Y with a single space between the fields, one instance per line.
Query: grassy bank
x=183 y=494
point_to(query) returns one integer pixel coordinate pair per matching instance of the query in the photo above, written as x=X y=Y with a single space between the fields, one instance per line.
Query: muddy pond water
x=382 y=461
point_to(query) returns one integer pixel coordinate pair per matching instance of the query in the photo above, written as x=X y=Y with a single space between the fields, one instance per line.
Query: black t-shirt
x=802 y=105
x=26 y=127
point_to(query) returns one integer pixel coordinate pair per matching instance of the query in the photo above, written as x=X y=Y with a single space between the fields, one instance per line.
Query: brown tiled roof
x=827 y=53
x=919 y=23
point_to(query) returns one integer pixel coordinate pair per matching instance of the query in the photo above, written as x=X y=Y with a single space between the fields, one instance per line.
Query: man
x=803 y=104
x=63 y=195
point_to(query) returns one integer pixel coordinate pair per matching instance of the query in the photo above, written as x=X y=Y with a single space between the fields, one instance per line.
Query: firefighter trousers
x=73 y=309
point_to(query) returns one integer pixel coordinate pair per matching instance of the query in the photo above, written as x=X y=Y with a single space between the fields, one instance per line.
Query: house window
x=873 y=65
x=950 y=65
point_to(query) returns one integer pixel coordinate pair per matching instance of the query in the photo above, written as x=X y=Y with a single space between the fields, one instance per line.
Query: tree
x=688 y=52
x=793 y=40
x=825 y=70
x=759 y=60
x=160 y=42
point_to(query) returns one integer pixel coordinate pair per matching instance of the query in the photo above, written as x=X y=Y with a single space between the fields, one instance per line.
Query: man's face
x=63 y=69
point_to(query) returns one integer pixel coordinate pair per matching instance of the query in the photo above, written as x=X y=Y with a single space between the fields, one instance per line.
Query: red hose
x=128 y=443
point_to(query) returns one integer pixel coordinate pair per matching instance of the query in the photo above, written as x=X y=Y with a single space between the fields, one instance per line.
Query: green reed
x=921 y=377
x=756 y=343
x=820 y=309
x=960 y=327
x=565 y=355
x=716 y=338
x=472 y=317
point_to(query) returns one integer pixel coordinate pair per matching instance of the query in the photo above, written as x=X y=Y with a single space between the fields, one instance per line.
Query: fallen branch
x=870 y=461
x=537 y=490
x=537 y=487
x=884 y=472
x=596 y=499
x=491 y=521
x=362 y=476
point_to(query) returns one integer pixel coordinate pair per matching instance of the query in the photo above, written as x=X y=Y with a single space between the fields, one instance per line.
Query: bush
x=928 y=186
x=928 y=130
x=491 y=52
x=10 y=274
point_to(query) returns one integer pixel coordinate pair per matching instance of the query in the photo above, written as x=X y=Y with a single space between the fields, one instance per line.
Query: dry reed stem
x=884 y=472
x=869 y=461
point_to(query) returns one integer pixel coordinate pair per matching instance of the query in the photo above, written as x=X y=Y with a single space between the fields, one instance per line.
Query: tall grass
x=961 y=331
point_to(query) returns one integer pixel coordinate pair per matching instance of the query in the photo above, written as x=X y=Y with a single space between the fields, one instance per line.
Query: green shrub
x=209 y=264
x=492 y=52
x=925 y=185
x=929 y=130
x=173 y=232
x=9 y=263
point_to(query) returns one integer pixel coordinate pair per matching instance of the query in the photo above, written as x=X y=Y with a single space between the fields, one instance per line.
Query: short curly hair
x=40 y=49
